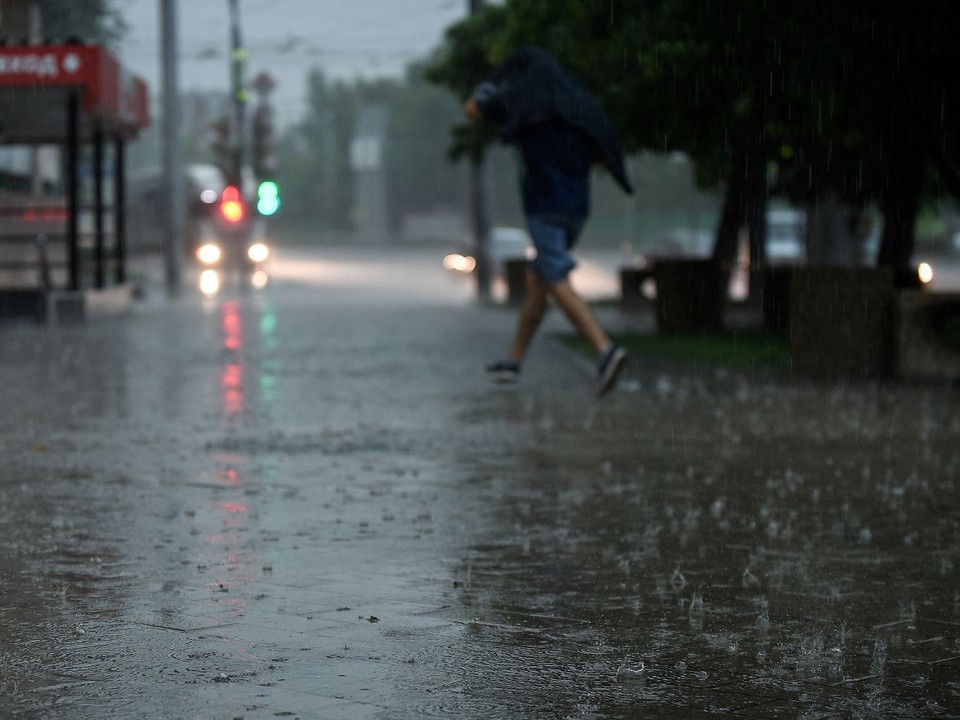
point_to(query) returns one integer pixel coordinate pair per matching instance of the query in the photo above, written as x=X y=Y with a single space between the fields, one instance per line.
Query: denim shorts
x=553 y=237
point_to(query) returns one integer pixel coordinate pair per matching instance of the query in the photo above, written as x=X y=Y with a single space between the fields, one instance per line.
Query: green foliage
x=313 y=163
x=831 y=97
x=468 y=56
x=739 y=350
x=418 y=176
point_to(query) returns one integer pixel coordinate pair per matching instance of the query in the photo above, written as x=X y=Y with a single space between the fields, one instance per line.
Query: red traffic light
x=231 y=206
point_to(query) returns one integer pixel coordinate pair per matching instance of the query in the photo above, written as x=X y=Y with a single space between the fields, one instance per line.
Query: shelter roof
x=36 y=80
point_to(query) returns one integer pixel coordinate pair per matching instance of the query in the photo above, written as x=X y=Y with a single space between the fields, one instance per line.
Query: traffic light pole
x=478 y=210
x=238 y=57
x=172 y=168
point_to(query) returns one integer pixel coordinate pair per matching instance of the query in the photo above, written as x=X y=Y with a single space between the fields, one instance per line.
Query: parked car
x=785 y=236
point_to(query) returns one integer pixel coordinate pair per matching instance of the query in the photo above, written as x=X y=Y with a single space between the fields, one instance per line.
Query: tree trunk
x=756 y=217
x=900 y=204
x=744 y=206
x=831 y=233
x=480 y=228
x=755 y=208
x=734 y=211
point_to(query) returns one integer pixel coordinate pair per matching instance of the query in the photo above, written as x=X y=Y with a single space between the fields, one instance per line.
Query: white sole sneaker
x=503 y=372
x=610 y=370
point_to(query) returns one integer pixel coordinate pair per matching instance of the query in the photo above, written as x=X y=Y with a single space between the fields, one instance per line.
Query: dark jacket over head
x=531 y=87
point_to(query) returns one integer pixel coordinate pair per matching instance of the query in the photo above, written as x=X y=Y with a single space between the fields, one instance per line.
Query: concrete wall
x=841 y=322
x=923 y=321
x=691 y=296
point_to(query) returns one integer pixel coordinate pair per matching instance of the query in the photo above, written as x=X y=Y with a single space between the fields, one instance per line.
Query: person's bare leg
x=578 y=312
x=531 y=315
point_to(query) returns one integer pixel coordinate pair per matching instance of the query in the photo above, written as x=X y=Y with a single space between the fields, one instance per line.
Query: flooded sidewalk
x=308 y=502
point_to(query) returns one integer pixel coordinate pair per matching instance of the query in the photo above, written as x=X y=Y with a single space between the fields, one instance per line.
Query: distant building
x=367 y=161
x=199 y=109
x=19 y=20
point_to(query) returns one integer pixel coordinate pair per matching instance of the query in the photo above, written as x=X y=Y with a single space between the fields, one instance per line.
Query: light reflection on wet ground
x=298 y=505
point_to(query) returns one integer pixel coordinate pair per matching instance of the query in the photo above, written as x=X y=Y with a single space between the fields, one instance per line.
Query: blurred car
x=232 y=242
x=509 y=243
x=785 y=231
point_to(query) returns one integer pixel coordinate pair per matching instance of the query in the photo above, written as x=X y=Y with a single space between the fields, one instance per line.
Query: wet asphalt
x=308 y=502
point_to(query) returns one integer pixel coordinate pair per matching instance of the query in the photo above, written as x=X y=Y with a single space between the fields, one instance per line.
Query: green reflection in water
x=267 y=377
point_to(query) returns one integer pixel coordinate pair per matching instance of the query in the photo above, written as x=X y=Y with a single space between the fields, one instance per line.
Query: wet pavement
x=308 y=502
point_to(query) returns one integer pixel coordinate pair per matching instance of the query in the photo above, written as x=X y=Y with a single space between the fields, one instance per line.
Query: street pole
x=34 y=36
x=238 y=56
x=478 y=209
x=172 y=166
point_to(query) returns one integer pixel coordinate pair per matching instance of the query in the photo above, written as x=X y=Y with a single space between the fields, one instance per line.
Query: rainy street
x=307 y=501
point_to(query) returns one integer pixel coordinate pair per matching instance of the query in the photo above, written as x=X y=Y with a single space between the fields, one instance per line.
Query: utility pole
x=172 y=165
x=480 y=224
x=238 y=57
x=34 y=35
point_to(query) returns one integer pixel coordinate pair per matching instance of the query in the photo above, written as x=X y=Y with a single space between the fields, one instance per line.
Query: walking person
x=561 y=131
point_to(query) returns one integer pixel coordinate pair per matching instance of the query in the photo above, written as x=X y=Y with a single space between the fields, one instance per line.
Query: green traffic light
x=269 y=198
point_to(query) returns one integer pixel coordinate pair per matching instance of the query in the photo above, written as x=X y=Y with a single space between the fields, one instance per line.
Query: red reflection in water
x=231 y=475
x=227 y=521
x=232 y=326
x=231 y=379
x=232 y=567
x=233 y=507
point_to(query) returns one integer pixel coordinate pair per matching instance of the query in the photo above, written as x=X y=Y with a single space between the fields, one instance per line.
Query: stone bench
x=632 y=280
x=855 y=323
x=841 y=322
x=928 y=335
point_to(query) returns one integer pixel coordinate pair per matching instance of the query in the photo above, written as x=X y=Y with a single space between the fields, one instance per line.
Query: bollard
x=43 y=262
x=516 y=272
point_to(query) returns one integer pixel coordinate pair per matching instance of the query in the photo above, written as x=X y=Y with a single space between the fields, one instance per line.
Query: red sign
x=109 y=92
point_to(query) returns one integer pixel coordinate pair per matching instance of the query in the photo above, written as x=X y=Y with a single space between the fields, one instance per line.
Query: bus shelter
x=68 y=239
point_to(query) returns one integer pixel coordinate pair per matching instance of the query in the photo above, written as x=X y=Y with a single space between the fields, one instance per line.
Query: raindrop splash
x=677 y=581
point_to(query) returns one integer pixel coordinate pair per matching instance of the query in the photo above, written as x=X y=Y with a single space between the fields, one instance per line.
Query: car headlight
x=209 y=282
x=209 y=254
x=259 y=279
x=925 y=273
x=258 y=252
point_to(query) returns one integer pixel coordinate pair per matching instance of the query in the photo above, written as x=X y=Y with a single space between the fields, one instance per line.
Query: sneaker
x=504 y=371
x=608 y=369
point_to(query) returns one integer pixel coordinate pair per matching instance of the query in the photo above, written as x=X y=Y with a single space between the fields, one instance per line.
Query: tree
x=843 y=101
x=418 y=176
x=464 y=62
x=313 y=164
x=313 y=159
x=466 y=57
x=916 y=124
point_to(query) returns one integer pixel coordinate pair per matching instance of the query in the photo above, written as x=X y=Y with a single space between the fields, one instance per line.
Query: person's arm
x=484 y=102
x=471 y=108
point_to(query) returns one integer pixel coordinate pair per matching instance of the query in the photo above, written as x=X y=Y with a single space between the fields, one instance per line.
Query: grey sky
x=345 y=38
